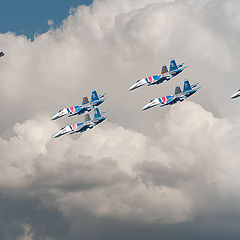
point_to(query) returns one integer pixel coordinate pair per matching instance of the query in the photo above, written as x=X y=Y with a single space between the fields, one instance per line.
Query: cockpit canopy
x=60 y=110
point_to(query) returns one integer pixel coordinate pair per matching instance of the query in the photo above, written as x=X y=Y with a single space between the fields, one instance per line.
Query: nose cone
x=60 y=113
x=146 y=107
x=63 y=131
x=151 y=104
x=54 y=117
x=235 y=95
x=58 y=134
x=134 y=86
x=138 y=84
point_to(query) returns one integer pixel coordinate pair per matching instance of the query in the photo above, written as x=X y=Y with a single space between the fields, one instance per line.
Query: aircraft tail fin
x=177 y=90
x=94 y=96
x=87 y=118
x=97 y=113
x=187 y=86
x=85 y=101
x=164 y=69
x=173 y=65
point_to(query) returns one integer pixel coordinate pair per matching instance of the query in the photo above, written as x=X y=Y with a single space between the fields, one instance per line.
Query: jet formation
x=235 y=95
x=165 y=75
x=83 y=126
x=80 y=109
x=178 y=96
x=85 y=107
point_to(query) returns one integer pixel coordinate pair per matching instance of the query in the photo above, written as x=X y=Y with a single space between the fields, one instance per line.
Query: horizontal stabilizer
x=194 y=85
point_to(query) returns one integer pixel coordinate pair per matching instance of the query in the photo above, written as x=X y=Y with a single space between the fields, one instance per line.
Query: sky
x=32 y=17
x=166 y=173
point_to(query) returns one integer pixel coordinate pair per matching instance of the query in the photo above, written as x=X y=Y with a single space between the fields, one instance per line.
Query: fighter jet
x=178 y=96
x=82 y=127
x=1 y=54
x=165 y=75
x=235 y=95
x=79 y=109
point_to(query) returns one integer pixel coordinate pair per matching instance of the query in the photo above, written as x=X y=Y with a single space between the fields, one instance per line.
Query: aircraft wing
x=194 y=85
x=82 y=127
x=179 y=69
x=165 y=76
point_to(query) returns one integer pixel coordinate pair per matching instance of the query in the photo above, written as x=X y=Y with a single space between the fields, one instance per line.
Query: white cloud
x=119 y=173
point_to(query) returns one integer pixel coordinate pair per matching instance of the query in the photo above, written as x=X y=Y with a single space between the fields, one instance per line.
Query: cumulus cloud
x=121 y=174
x=164 y=167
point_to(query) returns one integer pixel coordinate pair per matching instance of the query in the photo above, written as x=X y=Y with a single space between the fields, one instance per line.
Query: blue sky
x=29 y=17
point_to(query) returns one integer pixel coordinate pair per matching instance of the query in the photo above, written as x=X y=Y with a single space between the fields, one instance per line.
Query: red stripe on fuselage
x=74 y=127
x=72 y=109
x=150 y=79
x=164 y=99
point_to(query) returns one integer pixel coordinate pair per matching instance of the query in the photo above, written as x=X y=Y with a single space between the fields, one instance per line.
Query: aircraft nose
x=56 y=135
x=234 y=95
x=146 y=107
x=132 y=87
x=54 y=117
